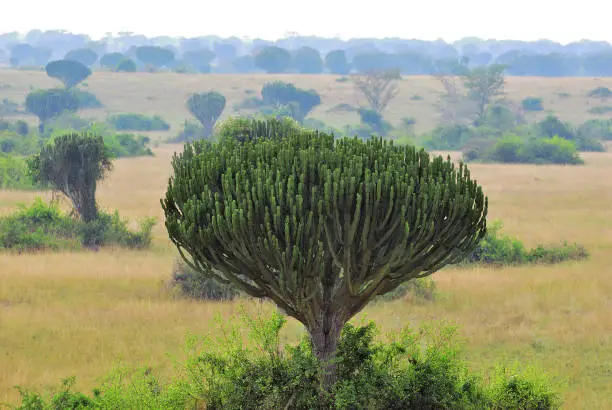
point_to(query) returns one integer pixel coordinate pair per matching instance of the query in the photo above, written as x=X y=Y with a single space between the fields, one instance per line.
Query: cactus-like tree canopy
x=320 y=225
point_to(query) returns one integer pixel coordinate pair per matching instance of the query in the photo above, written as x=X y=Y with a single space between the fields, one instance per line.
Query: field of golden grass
x=84 y=313
x=165 y=94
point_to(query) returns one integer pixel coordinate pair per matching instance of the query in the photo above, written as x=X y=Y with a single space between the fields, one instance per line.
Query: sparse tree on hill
x=47 y=104
x=111 y=60
x=69 y=72
x=85 y=56
x=454 y=105
x=378 y=87
x=320 y=226
x=207 y=108
x=483 y=85
x=73 y=164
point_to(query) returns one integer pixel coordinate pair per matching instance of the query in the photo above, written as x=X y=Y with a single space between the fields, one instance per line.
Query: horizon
x=456 y=22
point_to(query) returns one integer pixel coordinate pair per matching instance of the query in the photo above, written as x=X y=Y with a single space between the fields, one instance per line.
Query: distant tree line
x=305 y=55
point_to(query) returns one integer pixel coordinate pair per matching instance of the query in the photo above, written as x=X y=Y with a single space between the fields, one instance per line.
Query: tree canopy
x=69 y=72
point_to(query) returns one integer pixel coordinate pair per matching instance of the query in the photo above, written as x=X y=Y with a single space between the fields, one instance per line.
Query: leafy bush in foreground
x=43 y=226
x=419 y=369
x=138 y=122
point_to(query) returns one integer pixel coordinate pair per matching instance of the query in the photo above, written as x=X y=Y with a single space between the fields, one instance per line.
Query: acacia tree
x=207 y=108
x=73 y=164
x=319 y=226
x=483 y=85
x=378 y=87
x=69 y=72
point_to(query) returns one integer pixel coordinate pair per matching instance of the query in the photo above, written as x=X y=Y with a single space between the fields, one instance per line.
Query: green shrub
x=596 y=129
x=601 y=110
x=86 y=99
x=600 y=92
x=14 y=173
x=515 y=149
x=416 y=369
x=128 y=145
x=192 y=284
x=43 y=226
x=13 y=143
x=497 y=249
x=422 y=289
x=138 y=122
x=532 y=104
x=191 y=131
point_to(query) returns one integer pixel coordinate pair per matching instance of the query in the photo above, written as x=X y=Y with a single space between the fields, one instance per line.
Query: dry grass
x=165 y=94
x=83 y=313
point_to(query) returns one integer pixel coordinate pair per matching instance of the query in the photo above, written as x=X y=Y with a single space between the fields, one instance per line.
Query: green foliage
x=86 y=99
x=207 y=108
x=415 y=369
x=299 y=102
x=111 y=60
x=199 y=59
x=85 y=56
x=14 y=173
x=154 y=56
x=596 y=129
x=374 y=120
x=532 y=104
x=602 y=110
x=600 y=92
x=47 y=104
x=127 y=145
x=273 y=60
x=420 y=289
x=127 y=65
x=307 y=60
x=244 y=129
x=73 y=164
x=9 y=107
x=69 y=72
x=13 y=143
x=195 y=285
x=191 y=131
x=336 y=62
x=138 y=122
x=515 y=149
x=42 y=226
x=497 y=249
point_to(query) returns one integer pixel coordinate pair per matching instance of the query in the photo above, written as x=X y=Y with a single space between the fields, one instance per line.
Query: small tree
x=127 y=65
x=456 y=109
x=68 y=72
x=483 y=85
x=378 y=87
x=199 y=59
x=320 y=226
x=207 y=108
x=273 y=60
x=73 y=164
x=307 y=60
x=337 y=63
x=111 y=60
x=47 y=104
x=301 y=102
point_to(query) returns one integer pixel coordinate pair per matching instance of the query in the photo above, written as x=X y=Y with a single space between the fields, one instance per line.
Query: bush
x=600 y=92
x=86 y=99
x=14 y=173
x=128 y=145
x=43 y=226
x=192 y=284
x=532 y=104
x=191 y=131
x=496 y=249
x=416 y=369
x=138 y=122
x=596 y=129
x=13 y=143
x=422 y=289
x=9 y=107
x=602 y=110
x=514 y=149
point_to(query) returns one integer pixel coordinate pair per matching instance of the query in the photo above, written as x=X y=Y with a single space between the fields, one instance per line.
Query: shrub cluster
x=43 y=226
x=14 y=173
x=193 y=285
x=138 y=122
x=415 y=370
x=128 y=145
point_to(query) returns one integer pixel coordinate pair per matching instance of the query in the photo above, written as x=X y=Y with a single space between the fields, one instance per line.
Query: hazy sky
x=271 y=19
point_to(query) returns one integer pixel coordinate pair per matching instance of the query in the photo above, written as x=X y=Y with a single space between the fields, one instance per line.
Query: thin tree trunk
x=325 y=336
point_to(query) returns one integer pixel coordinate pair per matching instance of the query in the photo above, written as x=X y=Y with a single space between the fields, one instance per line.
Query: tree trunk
x=86 y=206
x=325 y=335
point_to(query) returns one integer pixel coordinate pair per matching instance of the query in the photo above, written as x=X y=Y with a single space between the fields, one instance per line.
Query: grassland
x=165 y=94
x=84 y=313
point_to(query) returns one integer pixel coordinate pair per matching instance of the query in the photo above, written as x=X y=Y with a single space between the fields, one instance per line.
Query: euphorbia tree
x=207 y=108
x=320 y=226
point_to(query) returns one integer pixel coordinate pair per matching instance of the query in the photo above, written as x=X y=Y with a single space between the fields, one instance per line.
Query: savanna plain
x=84 y=313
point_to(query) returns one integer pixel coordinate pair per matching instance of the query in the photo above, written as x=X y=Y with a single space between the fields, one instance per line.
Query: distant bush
x=138 y=122
x=514 y=149
x=87 y=99
x=417 y=369
x=602 y=110
x=250 y=103
x=14 y=173
x=43 y=226
x=600 y=92
x=422 y=289
x=126 y=65
x=192 y=284
x=449 y=137
x=416 y=97
x=191 y=131
x=532 y=104
x=13 y=143
x=596 y=129
x=9 y=107
x=497 y=249
x=128 y=145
